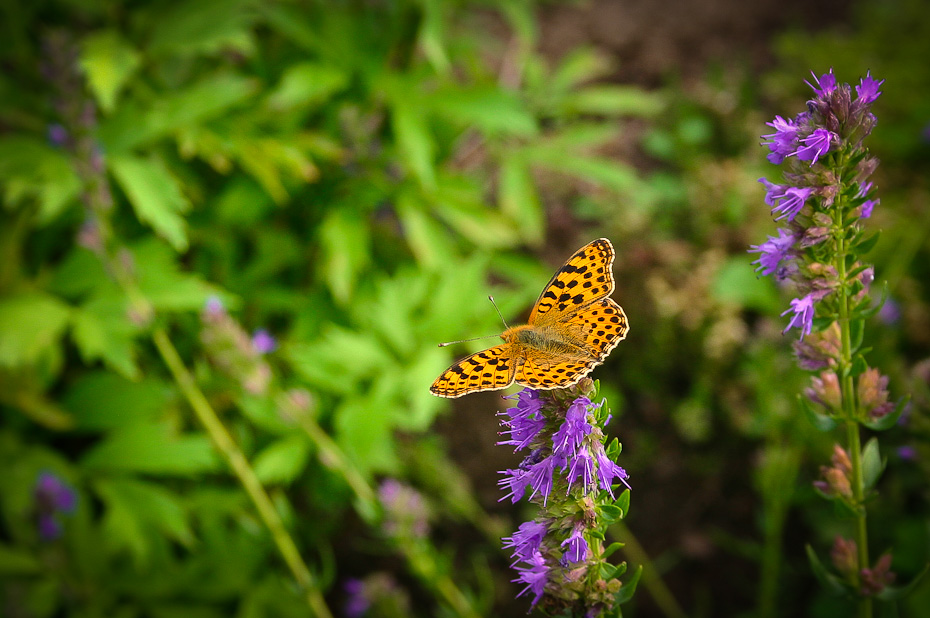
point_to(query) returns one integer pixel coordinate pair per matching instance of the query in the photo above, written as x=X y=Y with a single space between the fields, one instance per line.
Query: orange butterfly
x=571 y=330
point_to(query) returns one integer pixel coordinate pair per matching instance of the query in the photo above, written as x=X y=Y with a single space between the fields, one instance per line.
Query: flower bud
x=844 y=557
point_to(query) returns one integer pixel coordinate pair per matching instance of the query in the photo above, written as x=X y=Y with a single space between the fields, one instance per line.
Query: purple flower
x=868 y=89
x=803 y=317
x=907 y=453
x=607 y=471
x=815 y=146
x=405 y=513
x=541 y=474
x=825 y=85
x=890 y=312
x=577 y=547
x=263 y=342
x=582 y=466
x=867 y=207
x=773 y=251
x=214 y=306
x=534 y=576
x=792 y=203
x=52 y=496
x=516 y=481
x=357 y=602
x=526 y=540
x=57 y=135
x=783 y=141
x=773 y=192
x=568 y=438
x=526 y=420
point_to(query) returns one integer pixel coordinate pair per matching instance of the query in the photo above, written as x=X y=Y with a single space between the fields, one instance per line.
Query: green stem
x=241 y=468
x=853 y=441
x=651 y=578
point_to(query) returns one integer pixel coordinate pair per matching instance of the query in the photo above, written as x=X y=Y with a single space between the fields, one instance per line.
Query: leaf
x=136 y=509
x=866 y=244
x=16 y=561
x=363 y=431
x=414 y=142
x=610 y=514
x=821 y=421
x=610 y=549
x=736 y=283
x=609 y=100
x=426 y=237
x=30 y=324
x=872 y=464
x=629 y=587
x=108 y=61
x=344 y=246
x=165 y=286
x=283 y=460
x=32 y=170
x=101 y=330
x=889 y=420
x=491 y=110
x=102 y=401
x=153 y=448
x=155 y=196
x=519 y=200
x=203 y=27
x=307 y=83
x=830 y=581
x=896 y=593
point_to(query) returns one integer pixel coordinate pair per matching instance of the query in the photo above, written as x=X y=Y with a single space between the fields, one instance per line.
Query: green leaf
x=859 y=364
x=102 y=330
x=363 y=431
x=30 y=324
x=629 y=587
x=32 y=170
x=872 y=464
x=283 y=460
x=108 y=61
x=307 y=83
x=135 y=510
x=610 y=514
x=414 y=142
x=821 y=421
x=102 y=401
x=736 y=283
x=896 y=593
x=155 y=195
x=889 y=420
x=16 y=561
x=204 y=27
x=610 y=549
x=866 y=244
x=623 y=502
x=608 y=100
x=492 y=110
x=165 y=286
x=519 y=200
x=426 y=236
x=856 y=333
x=153 y=448
x=830 y=581
x=344 y=244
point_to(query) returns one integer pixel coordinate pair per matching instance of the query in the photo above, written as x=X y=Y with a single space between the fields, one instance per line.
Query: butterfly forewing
x=487 y=370
x=586 y=277
x=603 y=324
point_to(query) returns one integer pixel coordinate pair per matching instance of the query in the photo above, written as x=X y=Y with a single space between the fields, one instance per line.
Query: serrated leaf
x=101 y=330
x=30 y=323
x=155 y=196
x=153 y=448
x=872 y=464
x=32 y=170
x=426 y=237
x=283 y=460
x=108 y=61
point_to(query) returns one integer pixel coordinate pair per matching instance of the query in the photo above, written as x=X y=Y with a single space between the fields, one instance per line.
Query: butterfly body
x=572 y=328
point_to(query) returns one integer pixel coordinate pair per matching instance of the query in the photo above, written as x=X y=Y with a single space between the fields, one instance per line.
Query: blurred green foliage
x=356 y=177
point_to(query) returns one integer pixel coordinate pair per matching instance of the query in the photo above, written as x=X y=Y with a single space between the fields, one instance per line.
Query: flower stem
x=851 y=419
x=246 y=475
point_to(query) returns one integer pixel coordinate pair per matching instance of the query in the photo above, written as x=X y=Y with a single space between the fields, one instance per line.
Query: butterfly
x=572 y=328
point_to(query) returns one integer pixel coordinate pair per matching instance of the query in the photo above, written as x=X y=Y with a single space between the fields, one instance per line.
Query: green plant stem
x=651 y=579
x=246 y=475
x=853 y=441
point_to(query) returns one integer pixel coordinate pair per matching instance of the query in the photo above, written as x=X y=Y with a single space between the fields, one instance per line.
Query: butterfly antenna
x=442 y=345
x=491 y=298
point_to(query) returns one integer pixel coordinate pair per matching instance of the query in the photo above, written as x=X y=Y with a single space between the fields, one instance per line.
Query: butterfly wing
x=586 y=277
x=487 y=370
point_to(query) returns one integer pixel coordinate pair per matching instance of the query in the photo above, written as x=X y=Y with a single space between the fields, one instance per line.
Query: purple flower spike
x=792 y=203
x=826 y=84
x=783 y=141
x=607 y=471
x=815 y=146
x=534 y=576
x=868 y=89
x=773 y=251
x=803 y=317
x=582 y=466
x=566 y=440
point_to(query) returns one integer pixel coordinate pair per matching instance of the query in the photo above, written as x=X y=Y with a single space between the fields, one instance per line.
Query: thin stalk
x=243 y=471
x=650 y=578
x=853 y=440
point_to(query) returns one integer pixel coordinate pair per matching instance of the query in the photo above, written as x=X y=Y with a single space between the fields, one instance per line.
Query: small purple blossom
x=826 y=84
x=526 y=420
x=53 y=496
x=357 y=602
x=792 y=203
x=581 y=466
x=577 y=547
x=263 y=342
x=890 y=312
x=516 y=482
x=783 y=141
x=907 y=453
x=534 y=576
x=773 y=251
x=868 y=89
x=815 y=145
x=214 y=306
x=541 y=476
x=773 y=192
x=867 y=207
x=526 y=540
x=607 y=471
x=57 y=135
x=803 y=317
x=576 y=428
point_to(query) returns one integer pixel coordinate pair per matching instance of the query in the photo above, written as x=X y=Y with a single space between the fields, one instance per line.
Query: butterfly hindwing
x=602 y=324
x=487 y=370
x=587 y=276
x=542 y=374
